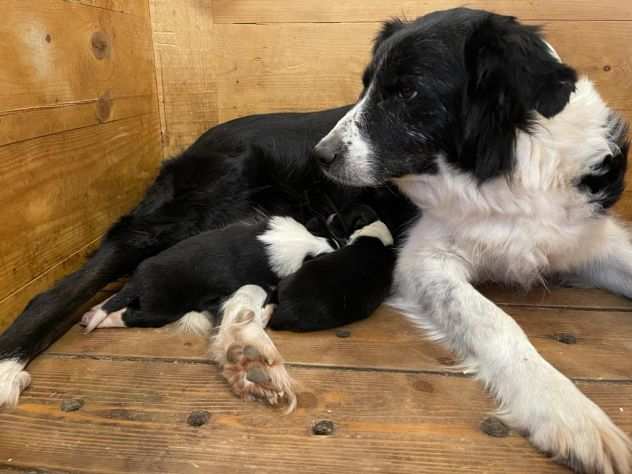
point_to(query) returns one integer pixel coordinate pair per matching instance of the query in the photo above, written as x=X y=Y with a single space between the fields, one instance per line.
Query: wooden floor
x=394 y=405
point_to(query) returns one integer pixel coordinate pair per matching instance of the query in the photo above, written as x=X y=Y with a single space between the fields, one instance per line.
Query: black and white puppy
x=515 y=163
x=339 y=287
x=198 y=273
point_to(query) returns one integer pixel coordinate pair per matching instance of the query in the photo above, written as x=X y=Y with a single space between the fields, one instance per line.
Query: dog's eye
x=406 y=92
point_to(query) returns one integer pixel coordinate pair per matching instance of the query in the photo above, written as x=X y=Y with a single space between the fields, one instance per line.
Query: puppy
x=198 y=273
x=340 y=287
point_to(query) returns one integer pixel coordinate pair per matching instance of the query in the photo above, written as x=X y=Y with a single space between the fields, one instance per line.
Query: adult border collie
x=513 y=160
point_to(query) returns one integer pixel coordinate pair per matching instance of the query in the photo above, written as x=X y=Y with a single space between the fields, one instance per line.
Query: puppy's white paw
x=98 y=318
x=576 y=432
x=251 y=363
x=13 y=380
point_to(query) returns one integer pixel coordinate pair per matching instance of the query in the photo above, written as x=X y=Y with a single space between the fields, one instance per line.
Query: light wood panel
x=134 y=420
x=58 y=77
x=65 y=189
x=79 y=133
x=388 y=341
x=184 y=52
x=315 y=11
x=257 y=71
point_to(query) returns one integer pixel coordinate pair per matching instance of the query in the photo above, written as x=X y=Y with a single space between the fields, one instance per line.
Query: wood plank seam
x=52 y=267
x=301 y=365
x=73 y=129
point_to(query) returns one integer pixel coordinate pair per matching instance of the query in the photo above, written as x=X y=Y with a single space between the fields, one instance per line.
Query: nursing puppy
x=198 y=273
x=515 y=163
x=341 y=287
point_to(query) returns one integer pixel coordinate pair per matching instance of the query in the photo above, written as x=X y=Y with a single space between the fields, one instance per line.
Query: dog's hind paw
x=13 y=380
x=251 y=363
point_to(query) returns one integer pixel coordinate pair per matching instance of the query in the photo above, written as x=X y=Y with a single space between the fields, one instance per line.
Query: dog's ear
x=511 y=73
x=389 y=28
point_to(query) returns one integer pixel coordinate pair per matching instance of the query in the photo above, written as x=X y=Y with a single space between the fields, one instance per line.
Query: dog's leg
x=611 y=269
x=166 y=215
x=250 y=361
x=535 y=398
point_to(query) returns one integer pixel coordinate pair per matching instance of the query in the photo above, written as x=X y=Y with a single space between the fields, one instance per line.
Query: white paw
x=13 y=380
x=575 y=431
x=251 y=363
x=98 y=318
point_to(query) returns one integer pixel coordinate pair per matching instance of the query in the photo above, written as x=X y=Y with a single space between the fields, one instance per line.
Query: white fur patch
x=13 y=380
x=359 y=161
x=376 y=230
x=288 y=242
x=194 y=323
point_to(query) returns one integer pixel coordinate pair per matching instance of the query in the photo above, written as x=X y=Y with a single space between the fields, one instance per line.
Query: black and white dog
x=474 y=118
x=515 y=163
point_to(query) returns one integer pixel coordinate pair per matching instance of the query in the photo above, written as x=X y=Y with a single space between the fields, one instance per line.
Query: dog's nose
x=326 y=152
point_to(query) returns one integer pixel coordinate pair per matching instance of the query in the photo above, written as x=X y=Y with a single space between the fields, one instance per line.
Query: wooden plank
x=184 y=53
x=66 y=189
x=138 y=8
x=283 y=11
x=584 y=298
x=602 y=337
x=54 y=76
x=14 y=303
x=257 y=72
x=134 y=420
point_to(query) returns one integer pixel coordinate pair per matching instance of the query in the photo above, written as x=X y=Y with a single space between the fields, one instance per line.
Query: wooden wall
x=297 y=55
x=93 y=93
x=79 y=133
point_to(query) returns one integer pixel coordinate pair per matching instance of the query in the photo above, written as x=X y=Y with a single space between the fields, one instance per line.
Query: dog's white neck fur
x=288 y=242
x=377 y=230
x=536 y=220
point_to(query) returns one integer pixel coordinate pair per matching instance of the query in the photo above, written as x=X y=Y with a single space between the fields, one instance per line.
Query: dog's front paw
x=13 y=380
x=576 y=432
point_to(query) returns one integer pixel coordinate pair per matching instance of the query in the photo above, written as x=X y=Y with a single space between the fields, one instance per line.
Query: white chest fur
x=536 y=221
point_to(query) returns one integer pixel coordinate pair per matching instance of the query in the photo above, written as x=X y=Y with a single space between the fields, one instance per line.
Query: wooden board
x=602 y=351
x=318 y=11
x=134 y=420
x=257 y=72
x=58 y=78
x=184 y=52
x=66 y=189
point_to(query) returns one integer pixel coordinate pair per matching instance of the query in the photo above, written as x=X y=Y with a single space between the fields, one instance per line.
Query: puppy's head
x=458 y=83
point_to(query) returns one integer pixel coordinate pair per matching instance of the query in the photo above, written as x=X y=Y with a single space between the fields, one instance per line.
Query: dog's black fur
x=232 y=172
x=198 y=273
x=336 y=288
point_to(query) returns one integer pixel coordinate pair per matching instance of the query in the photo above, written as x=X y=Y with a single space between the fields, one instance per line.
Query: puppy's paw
x=251 y=363
x=98 y=318
x=13 y=380
x=577 y=433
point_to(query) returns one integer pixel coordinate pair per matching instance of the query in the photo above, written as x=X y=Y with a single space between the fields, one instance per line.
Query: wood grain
x=257 y=72
x=315 y=11
x=53 y=80
x=184 y=51
x=64 y=190
x=388 y=341
x=134 y=420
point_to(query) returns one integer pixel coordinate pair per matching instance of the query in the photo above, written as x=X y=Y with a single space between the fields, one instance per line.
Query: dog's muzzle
x=328 y=150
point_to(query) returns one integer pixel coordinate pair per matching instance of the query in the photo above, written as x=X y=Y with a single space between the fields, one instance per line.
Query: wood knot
x=607 y=68
x=565 y=338
x=100 y=43
x=104 y=107
x=492 y=426
x=48 y=38
x=423 y=386
x=198 y=418
x=324 y=428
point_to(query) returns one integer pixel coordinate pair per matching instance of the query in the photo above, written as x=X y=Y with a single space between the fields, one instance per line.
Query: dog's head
x=458 y=83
